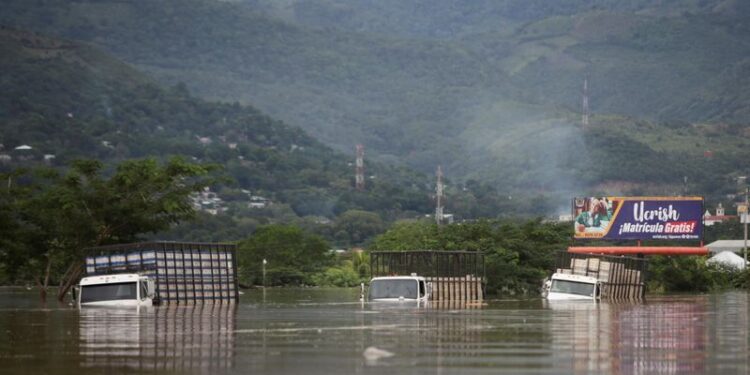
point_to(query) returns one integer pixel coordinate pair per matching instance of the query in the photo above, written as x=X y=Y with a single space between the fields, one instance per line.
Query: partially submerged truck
x=596 y=276
x=398 y=288
x=423 y=276
x=130 y=289
x=153 y=273
x=567 y=287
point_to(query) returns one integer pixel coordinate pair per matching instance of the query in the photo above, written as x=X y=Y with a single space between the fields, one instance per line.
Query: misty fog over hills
x=491 y=90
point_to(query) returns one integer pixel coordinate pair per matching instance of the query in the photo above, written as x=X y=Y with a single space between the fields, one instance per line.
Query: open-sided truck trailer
x=426 y=276
x=147 y=273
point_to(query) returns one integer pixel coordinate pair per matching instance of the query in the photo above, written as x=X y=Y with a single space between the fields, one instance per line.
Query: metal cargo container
x=621 y=277
x=184 y=272
x=455 y=275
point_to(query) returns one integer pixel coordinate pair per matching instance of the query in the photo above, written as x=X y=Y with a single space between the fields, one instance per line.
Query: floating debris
x=373 y=354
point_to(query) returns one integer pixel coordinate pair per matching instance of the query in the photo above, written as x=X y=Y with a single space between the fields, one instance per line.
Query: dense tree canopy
x=518 y=255
x=48 y=218
x=291 y=254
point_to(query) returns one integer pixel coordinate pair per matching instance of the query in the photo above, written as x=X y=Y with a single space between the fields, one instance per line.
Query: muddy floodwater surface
x=319 y=331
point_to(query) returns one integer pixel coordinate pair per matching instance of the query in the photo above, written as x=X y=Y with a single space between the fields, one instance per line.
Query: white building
x=208 y=201
x=728 y=259
x=735 y=246
x=565 y=217
x=256 y=201
x=709 y=220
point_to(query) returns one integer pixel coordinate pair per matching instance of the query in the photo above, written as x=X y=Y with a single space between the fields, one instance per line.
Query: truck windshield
x=108 y=292
x=572 y=287
x=393 y=289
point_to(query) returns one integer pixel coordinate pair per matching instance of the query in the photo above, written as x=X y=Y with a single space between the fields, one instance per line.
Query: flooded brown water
x=318 y=331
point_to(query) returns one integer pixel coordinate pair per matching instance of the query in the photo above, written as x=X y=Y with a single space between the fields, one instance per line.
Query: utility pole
x=744 y=217
x=685 y=186
x=359 y=176
x=585 y=104
x=439 y=197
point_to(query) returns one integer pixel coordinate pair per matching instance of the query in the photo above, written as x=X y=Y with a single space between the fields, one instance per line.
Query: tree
x=292 y=255
x=357 y=226
x=56 y=216
x=407 y=235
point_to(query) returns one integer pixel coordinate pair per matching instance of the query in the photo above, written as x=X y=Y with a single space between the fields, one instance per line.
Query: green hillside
x=662 y=60
x=343 y=89
x=452 y=18
x=69 y=100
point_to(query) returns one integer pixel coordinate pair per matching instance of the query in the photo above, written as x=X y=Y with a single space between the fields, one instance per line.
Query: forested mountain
x=666 y=60
x=454 y=18
x=69 y=100
x=489 y=89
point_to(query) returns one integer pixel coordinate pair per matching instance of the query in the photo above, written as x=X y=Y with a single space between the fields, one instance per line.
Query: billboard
x=638 y=218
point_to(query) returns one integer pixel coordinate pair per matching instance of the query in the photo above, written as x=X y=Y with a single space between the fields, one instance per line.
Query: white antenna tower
x=439 y=196
x=359 y=176
x=585 y=109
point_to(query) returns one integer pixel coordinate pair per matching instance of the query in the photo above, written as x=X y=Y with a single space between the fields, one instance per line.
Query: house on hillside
x=709 y=220
x=257 y=201
x=564 y=218
x=23 y=153
x=208 y=201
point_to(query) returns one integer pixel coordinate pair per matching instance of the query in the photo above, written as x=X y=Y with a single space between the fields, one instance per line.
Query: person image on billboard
x=595 y=216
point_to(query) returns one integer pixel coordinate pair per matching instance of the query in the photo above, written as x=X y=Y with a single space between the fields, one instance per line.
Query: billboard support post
x=744 y=247
x=742 y=212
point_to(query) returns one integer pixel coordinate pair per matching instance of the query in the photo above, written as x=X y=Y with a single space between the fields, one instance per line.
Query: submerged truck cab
x=567 y=287
x=129 y=289
x=398 y=288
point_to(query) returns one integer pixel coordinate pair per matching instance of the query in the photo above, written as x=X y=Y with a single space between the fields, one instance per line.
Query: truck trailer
x=153 y=273
x=597 y=276
x=437 y=276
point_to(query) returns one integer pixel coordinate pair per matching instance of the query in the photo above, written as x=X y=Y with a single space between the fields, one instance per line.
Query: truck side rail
x=185 y=272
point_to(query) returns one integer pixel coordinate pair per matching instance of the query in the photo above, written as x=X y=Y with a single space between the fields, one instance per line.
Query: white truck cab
x=565 y=286
x=128 y=289
x=399 y=288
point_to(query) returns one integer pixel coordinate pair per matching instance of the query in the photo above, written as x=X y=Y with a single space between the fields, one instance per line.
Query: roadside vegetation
x=490 y=105
x=47 y=218
x=518 y=255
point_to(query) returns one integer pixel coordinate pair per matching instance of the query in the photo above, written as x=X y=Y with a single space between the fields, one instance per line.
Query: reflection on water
x=313 y=331
x=166 y=338
x=676 y=335
x=325 y=338
x=667 y=338
x=582 y=335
